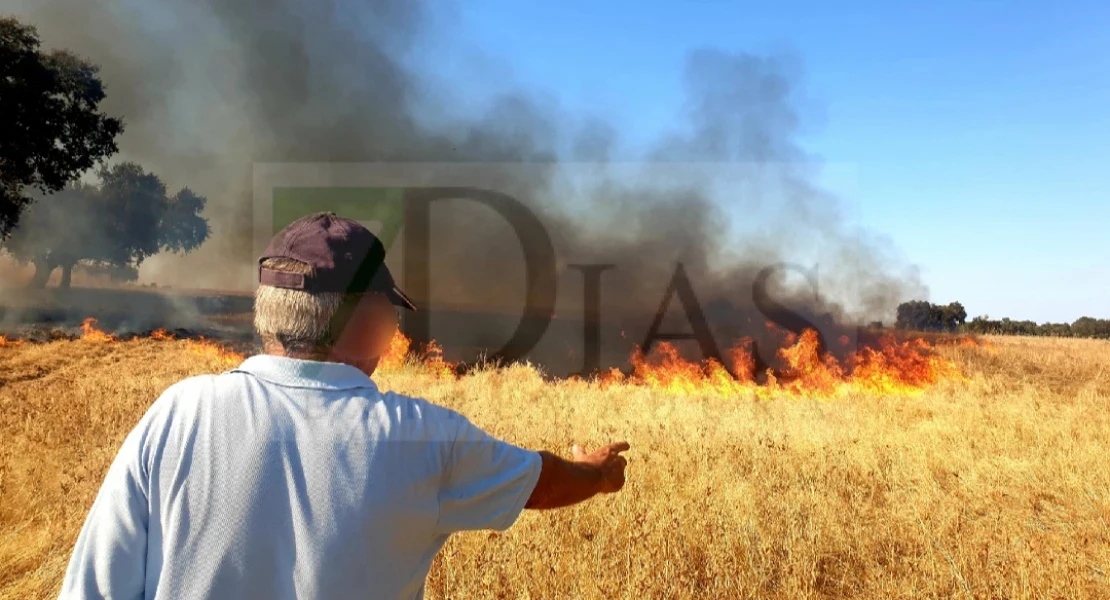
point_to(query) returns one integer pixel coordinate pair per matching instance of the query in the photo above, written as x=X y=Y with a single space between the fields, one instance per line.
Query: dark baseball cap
x=344 y=257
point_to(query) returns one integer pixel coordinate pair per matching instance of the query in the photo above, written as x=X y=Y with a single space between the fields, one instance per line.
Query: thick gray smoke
x=208 y=88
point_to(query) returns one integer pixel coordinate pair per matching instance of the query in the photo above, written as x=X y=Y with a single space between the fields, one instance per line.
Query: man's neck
x=367 y=366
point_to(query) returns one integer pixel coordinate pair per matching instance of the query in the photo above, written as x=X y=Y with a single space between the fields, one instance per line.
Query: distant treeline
x=919 y=315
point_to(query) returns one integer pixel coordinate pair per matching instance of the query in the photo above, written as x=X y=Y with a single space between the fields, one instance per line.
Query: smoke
x=209 y=88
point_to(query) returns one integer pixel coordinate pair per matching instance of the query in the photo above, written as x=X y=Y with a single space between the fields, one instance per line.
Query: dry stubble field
x=996 y=488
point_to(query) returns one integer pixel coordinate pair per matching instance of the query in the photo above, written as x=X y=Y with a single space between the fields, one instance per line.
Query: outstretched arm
x=488 y=482
x=566 y=482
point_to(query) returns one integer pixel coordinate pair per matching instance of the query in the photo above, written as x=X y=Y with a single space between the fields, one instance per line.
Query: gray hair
x=297 y=320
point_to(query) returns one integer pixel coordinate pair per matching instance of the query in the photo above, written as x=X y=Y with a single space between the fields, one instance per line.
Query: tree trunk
x=67 y=275
x=43 y=268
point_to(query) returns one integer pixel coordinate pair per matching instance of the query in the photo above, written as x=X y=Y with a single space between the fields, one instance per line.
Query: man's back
x=292 y=479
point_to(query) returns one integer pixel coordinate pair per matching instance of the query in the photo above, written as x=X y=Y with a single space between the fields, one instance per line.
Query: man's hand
x=565 y=482
x=608 y=461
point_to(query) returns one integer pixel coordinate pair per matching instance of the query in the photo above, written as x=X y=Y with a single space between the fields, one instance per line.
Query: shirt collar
x=295 y=372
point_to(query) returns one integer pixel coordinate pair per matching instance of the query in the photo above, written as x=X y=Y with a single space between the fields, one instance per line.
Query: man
x=293 y=476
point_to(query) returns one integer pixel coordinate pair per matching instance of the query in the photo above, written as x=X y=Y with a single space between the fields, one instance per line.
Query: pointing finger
x=619 y=447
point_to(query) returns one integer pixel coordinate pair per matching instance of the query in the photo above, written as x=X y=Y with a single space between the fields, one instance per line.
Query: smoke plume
x=208 y=88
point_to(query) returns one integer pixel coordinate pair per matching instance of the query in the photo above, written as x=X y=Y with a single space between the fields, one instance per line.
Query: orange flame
x=89 y=332
x=888 y=367
x=399 y=351
x=894 y=367
x=901 y=367
x=5 y=342
x=213 y=351
x=395 y=355
x=433 y=361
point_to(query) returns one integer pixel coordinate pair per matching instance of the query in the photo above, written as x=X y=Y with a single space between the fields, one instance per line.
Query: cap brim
x=398 y=298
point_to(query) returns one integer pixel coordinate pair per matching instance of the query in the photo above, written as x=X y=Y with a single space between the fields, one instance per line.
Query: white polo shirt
x=287 y=478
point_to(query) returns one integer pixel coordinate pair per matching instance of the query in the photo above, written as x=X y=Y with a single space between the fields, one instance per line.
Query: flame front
x=89 y=332
x=893 y=367
x=395 y=355
x=433 y=361
x=398 y=352
x=889 y=367
x=5 y=342
x=886 y=366
x=211 y=350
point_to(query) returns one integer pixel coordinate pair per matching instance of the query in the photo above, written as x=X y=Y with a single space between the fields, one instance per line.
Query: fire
x=888 y=366
x=89 y=332
x=431 y=360
x=670 y=372
x=394 y=357
x=5 y=342
x=199 y=346
x=891 y=367
x=901 y=367
x=214 y=351
x=882 y=366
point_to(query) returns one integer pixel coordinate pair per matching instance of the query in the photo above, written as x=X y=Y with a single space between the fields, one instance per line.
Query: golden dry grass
x=998 y=488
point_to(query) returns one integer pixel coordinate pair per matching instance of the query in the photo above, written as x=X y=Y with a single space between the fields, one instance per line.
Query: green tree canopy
x=920 y=315
x=50 y=127
x=1082 y=327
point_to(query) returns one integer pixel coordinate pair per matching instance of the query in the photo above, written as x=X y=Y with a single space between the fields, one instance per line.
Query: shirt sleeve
x=109 y=559
x=488 y=481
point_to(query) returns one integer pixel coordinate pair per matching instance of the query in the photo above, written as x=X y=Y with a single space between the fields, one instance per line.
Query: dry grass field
x=993 y=487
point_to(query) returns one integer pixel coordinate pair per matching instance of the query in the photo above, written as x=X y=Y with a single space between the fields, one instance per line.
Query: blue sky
x=978 y=133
